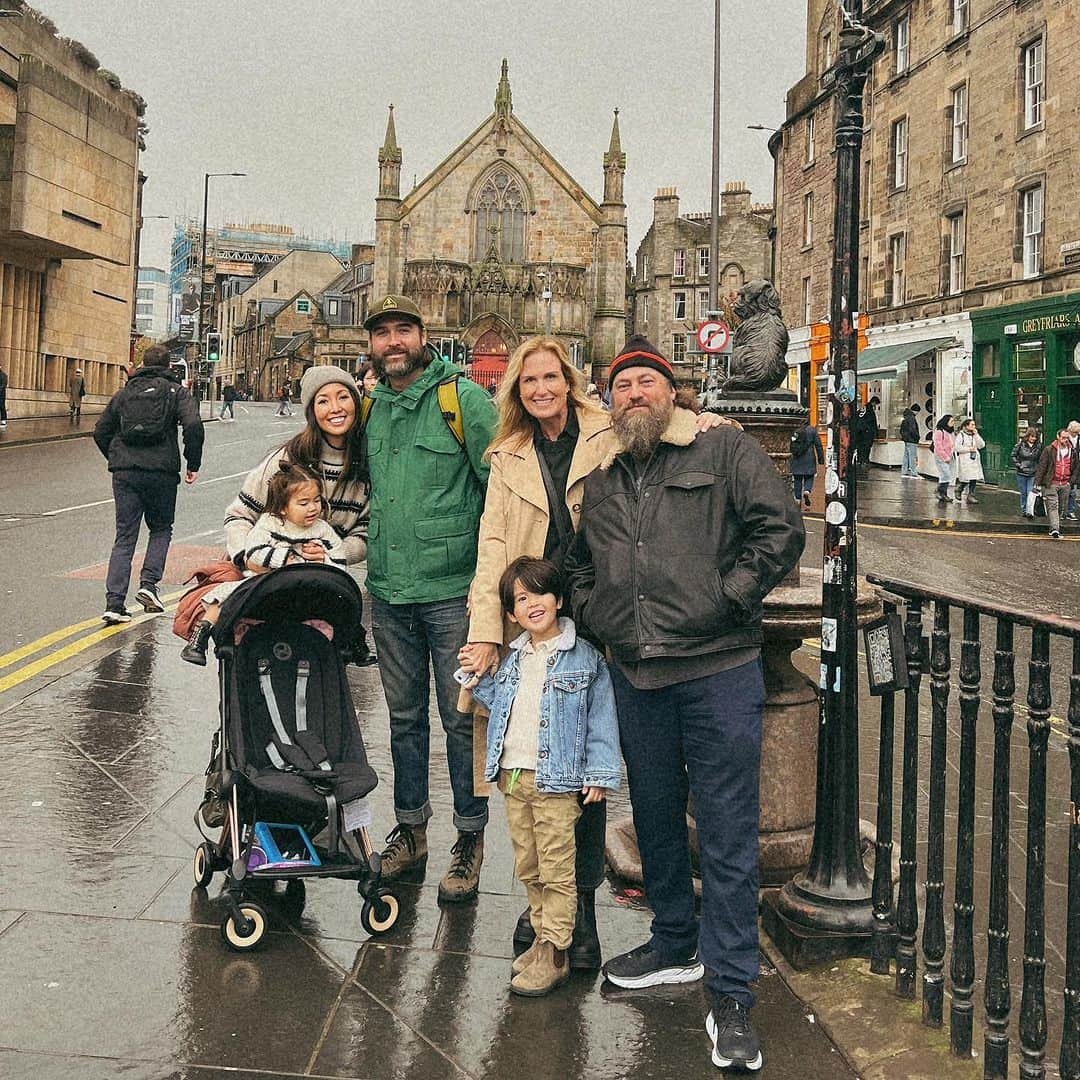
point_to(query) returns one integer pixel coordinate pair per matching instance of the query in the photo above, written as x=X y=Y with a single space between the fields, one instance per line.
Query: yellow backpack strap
x=365 y=409
x=450 y=407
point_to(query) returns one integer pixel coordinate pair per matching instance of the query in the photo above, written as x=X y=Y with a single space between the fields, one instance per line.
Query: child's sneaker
x=194 y=652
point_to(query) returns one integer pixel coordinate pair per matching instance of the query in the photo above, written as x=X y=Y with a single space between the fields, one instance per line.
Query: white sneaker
x=113 y=616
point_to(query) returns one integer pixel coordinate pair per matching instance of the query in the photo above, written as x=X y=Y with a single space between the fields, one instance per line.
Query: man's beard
x=640 y=432
x=404 y=363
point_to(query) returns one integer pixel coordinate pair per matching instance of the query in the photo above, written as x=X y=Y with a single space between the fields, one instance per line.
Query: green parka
x=427 y=492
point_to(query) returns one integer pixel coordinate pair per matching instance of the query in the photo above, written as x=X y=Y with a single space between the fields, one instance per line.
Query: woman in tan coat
x=545 y=419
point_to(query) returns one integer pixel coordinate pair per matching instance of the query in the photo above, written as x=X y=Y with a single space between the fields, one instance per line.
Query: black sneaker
x=148 y=597
x=113 y=616
x=644 y=966
x=735 y=1042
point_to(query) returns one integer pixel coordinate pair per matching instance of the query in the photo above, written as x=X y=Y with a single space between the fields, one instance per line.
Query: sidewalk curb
x=879 y=1035
x=948 y=525
x=62 y=436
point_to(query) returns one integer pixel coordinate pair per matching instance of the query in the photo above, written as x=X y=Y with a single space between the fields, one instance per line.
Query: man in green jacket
x=428 y=480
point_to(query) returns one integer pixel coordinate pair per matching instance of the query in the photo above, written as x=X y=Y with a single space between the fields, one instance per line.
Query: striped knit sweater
x=272 y=540
x=348 y=507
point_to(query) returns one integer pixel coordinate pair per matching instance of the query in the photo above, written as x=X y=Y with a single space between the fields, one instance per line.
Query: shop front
x=1027 y=374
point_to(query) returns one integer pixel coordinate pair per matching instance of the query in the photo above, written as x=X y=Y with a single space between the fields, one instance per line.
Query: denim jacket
x=578 y=740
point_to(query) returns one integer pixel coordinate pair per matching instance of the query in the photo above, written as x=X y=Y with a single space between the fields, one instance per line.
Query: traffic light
x=213 y=347
x=459 y=353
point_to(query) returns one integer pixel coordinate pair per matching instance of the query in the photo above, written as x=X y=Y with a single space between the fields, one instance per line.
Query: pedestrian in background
x=228 y=401
x=428 y=476
x=137 y=435
x=76 y=392
x=865 y=430
x=1058 y=471
x=1073 y=427
x=909 y=434
x=969 y=471
x=553 y=747
x=284 y=400
x=1025 y=460
x=806 y=454
x=3 y=398
x=366 y=379
x=944 y=443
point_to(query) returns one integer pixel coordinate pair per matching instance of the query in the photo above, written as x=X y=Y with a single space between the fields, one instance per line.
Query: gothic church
x=499 y=242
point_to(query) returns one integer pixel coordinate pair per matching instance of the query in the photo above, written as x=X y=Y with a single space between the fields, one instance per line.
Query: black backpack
x=147 y=411
x=800 y=443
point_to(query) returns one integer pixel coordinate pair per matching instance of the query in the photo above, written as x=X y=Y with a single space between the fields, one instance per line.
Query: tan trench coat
x=515 y=523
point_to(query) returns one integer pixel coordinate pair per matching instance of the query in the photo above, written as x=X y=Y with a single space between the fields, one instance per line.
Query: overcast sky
x=295 y=95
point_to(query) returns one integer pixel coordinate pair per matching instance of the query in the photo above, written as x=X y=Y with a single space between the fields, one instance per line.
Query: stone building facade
x=970 y=241
x=69 y=193
x=499 y=242
x=670 y=282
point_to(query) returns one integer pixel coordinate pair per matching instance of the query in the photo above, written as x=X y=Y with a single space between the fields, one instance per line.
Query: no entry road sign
x=713 y=336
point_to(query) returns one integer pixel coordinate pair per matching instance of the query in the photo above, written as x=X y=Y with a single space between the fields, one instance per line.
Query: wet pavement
x=114 y=963
x=26 y=430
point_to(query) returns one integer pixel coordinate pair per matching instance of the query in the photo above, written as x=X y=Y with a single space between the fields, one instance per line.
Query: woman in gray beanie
x=331 y=445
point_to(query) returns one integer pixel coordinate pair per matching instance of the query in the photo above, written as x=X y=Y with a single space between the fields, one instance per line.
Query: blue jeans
x=407 y=637
x=1024 y=484
x=140 y=494
x=802 y=484
x=701 y=737
x=910 y=466
x=227 y=405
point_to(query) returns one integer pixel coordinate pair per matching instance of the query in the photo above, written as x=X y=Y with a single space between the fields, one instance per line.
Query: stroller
x=288 y=761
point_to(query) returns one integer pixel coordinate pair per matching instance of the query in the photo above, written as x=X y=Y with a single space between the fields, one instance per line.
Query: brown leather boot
x=549 y=970
x=462 y=880
x=526 y=958
x=406 y=845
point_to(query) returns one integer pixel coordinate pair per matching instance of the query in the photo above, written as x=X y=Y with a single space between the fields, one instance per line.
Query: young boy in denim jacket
x=552 y=745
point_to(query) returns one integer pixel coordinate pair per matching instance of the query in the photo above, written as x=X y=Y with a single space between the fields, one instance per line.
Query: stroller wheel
x=202 y=865
x=243 y=938
x=379 y=914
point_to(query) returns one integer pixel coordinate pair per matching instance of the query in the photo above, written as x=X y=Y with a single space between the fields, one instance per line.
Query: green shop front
x=1026 y=368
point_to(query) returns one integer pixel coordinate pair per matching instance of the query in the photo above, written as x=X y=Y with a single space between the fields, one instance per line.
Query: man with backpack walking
x=137 y=435
x=427 y=429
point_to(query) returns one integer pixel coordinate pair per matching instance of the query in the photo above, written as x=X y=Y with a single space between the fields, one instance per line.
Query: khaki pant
x=542 y=832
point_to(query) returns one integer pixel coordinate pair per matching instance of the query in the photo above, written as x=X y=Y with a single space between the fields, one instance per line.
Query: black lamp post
x=827 y=909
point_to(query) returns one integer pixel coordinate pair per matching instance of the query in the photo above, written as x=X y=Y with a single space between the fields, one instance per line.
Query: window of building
x=144 y=294
x=896 y=270
x=702 y=303
x=499 y=208
x=987 y=361
x=303 y=307
x=645 y=309
x=678 y=348
x=957 y=236
x=332 y=307
x=678 y=262
x=959 y=124
x=1034 y=89
x=959 y=16
x=703 y=262
x=644 y=267
x=808 y=219
x=732 y=279
x=899 y=142
x=902 y=44
x=274 y=285
x=826 y=50
x=1031 y=212
x=806 y=301
x=811 y=133
x=1030 y=358
x=678 y=307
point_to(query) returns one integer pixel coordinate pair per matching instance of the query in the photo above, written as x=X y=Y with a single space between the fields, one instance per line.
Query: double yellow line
x=73 y=648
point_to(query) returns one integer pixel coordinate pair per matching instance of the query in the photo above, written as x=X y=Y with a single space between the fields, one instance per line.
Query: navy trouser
x=406 y=637
x=703 y=738
x=140 y=494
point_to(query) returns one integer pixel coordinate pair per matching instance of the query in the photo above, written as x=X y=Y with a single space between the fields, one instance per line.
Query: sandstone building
x=670 y=286
x=970 y=240
x=499 y=242
x=69 y=190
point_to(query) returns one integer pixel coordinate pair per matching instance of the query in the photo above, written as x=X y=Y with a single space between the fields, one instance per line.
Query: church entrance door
x=490 y=355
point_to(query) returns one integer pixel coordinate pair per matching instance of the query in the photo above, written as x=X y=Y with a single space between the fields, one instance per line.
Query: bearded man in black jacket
x=680 y=539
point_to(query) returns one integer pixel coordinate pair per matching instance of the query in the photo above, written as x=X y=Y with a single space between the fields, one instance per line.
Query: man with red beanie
x=680 y=540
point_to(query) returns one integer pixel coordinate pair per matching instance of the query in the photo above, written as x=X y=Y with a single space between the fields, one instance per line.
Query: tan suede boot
x=526 y=958
x=406 y=846
x=462 y=880
x=549 y=970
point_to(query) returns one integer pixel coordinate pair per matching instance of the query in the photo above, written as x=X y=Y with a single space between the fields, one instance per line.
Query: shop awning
x=883 y=360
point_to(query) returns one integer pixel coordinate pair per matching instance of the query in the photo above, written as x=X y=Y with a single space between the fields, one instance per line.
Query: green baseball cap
x=393 y=304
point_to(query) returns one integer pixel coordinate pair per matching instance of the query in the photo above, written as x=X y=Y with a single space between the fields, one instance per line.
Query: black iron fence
x=896 y=926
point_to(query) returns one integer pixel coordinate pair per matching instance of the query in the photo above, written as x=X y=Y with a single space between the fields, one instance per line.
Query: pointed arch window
x=500 y=206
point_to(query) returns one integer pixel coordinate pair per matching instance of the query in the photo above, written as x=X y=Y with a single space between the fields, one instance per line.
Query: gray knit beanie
x=315 y=378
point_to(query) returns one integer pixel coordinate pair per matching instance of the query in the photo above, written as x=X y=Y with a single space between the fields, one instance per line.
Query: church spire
x=390 y=162
x=390 y=152
x=614 y=166
x=504 y=101
x=615 y=155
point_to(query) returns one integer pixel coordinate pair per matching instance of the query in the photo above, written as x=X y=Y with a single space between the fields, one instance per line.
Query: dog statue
x=758 y=353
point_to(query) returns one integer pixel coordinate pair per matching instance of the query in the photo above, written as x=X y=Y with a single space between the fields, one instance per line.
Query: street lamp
x=546 y=295
x=202 y=269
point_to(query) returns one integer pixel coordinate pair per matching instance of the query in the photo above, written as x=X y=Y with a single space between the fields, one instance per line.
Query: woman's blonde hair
x=514 y=420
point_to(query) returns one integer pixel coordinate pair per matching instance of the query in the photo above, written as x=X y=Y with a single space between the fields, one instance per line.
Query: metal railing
x=895 y=929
